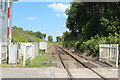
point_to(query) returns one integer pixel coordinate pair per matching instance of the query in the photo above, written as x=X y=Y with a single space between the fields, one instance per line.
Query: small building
x=3 y=21
x=5 y=24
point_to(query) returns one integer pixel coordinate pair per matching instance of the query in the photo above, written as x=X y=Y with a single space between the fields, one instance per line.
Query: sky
x=46 y=17
x=45 y=0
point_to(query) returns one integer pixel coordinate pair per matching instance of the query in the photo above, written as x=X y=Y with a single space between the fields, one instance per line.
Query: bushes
x=114 y=39
x=97 y=30
x=91 y=47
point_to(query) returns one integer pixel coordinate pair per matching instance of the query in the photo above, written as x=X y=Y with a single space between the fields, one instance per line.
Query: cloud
x=31 y=18
x=58 y=15
x=59 y=7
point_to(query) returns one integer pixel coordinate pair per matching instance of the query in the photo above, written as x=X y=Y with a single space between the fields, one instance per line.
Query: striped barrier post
x=8 y=28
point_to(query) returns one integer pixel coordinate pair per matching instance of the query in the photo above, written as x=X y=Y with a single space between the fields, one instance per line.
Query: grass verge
x=39 y=61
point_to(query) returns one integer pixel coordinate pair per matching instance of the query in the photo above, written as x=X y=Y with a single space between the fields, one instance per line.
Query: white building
x=5 y=11
x=3 y=21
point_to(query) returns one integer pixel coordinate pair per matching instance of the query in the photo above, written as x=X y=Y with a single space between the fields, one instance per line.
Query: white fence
x=13 y=54
x=3 y=51
x=17 y=50
x=109 y=53
x=28 y=50
x=43 y=45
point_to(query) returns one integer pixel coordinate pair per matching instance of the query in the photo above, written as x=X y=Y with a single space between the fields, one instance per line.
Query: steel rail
x=68 y=72
x=76 y=57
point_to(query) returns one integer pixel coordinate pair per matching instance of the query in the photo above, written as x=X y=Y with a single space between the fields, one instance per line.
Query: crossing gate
x=109 y=53
x=3 y=51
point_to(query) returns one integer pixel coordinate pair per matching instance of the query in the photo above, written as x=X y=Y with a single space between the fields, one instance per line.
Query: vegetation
x=19 y=35
x=91 y=24
x=5 y=64
x=39 y=35
x=44 y=36
x=50 y=39
x=39 y=61
x=58 y=38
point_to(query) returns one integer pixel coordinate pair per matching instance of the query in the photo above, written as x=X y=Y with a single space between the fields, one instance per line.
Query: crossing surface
x=52 y=72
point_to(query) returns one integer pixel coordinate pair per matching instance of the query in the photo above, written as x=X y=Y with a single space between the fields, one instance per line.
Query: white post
x=117 y=57
x=0 y=54
x=24 y=56
x=99 y=52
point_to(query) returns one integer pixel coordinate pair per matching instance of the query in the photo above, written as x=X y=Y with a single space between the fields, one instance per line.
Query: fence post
x=0 y=54
x=24 y=56
x=117 y=57
x=13 y=54
x=99 y=51
x=111 y=51
x=108 y=52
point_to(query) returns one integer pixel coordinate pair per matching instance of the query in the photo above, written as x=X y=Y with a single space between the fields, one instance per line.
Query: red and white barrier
x=9 y=16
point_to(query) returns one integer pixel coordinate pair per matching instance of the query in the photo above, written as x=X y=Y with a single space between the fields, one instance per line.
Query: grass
x=17 y=37
x=42 y=61
x=39 y=61
x=4 y=64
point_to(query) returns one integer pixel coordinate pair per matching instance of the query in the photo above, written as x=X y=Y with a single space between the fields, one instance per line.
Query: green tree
x=50 y=39
x=29 y=32
x=38 y=34
x=91 y=24
x=84 y=18
x=58 y=38
x=44 y=36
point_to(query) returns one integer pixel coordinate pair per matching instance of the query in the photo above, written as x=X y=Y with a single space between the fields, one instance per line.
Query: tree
x=91 y=24
x=14 y=27
x=50 y=39
x=39 y=34
x=44 y=36
x=29 y=32
x=84 y=18
x=58 y=38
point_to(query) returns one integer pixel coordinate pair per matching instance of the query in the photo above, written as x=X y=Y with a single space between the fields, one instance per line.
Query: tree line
x=91 y=24
x=37 y=34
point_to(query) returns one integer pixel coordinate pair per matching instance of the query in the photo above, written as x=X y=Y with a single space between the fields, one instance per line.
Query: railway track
x=66 y=68
x=89 y=66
